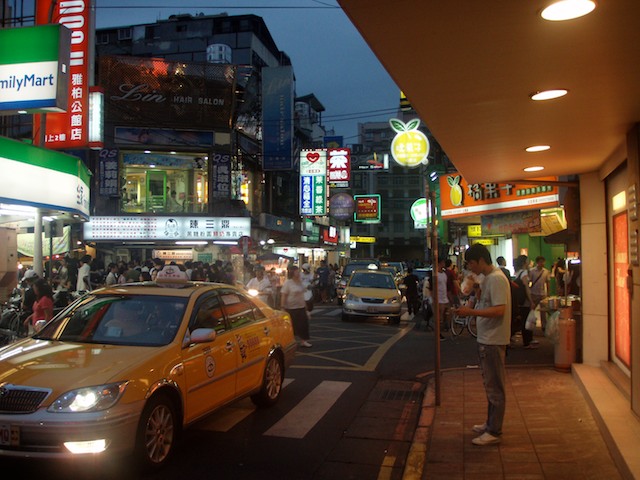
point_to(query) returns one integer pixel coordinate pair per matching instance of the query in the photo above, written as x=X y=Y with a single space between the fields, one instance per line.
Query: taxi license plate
x=372 y=309
x=9 y=435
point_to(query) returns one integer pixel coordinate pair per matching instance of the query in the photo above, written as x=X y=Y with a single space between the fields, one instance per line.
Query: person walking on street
x=83 y=284
x=411 y=281
x=523 y=300
x=494 y=332
x=443 y=298
x=322 y=274
x=540 y=284
x=292 y=297
x=307 y=280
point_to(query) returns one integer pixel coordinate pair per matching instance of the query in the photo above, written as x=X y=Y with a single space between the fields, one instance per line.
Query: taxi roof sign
x=171 y=276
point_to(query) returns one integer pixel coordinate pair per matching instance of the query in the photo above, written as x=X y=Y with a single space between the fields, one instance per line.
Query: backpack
x=518 y=292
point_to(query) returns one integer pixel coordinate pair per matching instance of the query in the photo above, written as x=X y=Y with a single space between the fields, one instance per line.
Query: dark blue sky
x=329 y=57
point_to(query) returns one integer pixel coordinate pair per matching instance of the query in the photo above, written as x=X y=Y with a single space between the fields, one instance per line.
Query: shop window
x=163 y=183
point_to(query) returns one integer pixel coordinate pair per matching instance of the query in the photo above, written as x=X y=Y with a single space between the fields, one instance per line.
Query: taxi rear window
x=119 y=320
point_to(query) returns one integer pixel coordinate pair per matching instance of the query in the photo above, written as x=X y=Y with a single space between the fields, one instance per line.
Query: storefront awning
x=41 y=178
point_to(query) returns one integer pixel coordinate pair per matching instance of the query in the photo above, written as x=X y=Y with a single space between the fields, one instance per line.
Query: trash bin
x=565 y=348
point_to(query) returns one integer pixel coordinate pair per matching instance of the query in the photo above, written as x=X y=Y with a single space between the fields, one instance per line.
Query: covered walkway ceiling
x=468 y=68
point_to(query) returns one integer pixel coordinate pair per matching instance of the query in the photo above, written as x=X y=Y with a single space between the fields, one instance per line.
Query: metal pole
x=37 y=243
x=434 y=268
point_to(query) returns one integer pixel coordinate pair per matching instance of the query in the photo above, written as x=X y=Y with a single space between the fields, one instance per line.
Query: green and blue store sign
x=34 y=68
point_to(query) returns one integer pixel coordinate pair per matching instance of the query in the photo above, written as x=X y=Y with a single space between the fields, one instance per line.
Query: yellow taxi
x=372 y=293
x=125 y=368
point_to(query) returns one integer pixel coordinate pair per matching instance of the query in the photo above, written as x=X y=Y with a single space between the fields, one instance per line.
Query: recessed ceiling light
x=533 y=169
x=567 y=10
x=549 y=94
x=537 y=148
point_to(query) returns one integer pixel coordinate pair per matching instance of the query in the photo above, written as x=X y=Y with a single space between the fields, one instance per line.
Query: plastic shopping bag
x=532 y=318
x=551 y=331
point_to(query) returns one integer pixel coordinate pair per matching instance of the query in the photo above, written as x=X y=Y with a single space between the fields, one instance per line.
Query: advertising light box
x=167 y=228
x=313 y=182
x=367 y=208
x=34 y=68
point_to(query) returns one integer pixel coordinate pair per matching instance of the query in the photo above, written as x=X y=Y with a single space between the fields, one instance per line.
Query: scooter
x=10 y=319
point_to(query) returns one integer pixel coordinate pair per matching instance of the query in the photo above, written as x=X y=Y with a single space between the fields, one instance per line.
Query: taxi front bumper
x=43 y=434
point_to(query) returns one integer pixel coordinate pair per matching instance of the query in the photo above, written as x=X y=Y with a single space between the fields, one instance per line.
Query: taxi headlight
x=352 y=298
x=89 y=399
x=392 y=300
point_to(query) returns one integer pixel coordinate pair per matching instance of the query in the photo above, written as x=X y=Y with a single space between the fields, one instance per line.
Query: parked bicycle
x=459 y=323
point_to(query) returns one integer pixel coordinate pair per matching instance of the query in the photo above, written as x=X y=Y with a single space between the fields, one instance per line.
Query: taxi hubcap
x=274 y=378
x=159 y=434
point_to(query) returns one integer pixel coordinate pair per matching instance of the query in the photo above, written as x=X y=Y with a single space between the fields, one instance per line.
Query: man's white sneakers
x=486 y=439
x=479 y=429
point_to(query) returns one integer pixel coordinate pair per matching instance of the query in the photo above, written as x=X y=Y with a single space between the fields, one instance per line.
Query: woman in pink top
x=43 y=306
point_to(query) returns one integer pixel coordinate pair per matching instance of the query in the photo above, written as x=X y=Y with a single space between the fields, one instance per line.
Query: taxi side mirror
x=199 y=335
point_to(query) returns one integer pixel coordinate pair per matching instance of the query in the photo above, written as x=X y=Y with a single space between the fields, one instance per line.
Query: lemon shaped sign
x=410 y=147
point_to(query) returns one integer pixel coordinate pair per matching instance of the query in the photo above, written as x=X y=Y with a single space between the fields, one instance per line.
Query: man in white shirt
x=493 y=315
x=83 y=284
x=262 y=285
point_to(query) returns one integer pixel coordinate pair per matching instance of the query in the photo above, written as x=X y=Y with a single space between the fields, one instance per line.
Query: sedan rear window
x=372 y=280
x=119 y=320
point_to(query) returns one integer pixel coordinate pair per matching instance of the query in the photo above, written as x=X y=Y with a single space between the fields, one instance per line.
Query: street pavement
x=549 y=430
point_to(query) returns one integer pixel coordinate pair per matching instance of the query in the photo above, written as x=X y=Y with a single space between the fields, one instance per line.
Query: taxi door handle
x=267 y=331
x=229 y=346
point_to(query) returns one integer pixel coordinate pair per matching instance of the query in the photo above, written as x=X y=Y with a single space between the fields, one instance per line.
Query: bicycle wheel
x=472 y=327
x=457 y=324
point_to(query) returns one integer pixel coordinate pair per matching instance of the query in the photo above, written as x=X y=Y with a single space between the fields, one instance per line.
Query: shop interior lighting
x=567 y=10
x=224 y=242
x=22 y=112
x=194 y=242
x=548 y=94
x=147 y=151
x=537 y=148
x=536 y=168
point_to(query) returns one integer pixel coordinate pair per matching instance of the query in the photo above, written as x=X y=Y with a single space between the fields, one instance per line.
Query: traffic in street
x=349 y=409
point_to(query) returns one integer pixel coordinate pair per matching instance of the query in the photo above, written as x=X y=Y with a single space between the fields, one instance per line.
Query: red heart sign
x=313 y=157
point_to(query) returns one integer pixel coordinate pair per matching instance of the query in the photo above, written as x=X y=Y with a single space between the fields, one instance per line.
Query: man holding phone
x=493 y=313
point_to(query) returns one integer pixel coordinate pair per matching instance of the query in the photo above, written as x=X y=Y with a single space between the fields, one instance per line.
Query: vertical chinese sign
x=339 y=167
x=277 y=118
x=70 y=130
x=620 y=290
x=313 y=182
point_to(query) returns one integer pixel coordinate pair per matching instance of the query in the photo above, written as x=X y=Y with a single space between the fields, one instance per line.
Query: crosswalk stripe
x=299 y=421
x=228 y=417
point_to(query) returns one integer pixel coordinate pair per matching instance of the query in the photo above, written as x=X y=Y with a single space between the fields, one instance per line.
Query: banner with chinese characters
x=313 y=182
x=70 y=129
x=166 y=228
x=461 y=199
x=339 y=167
x=511 y=223
x=221 y=175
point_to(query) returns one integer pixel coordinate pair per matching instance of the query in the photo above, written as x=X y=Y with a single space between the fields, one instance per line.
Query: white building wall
x=595 y=327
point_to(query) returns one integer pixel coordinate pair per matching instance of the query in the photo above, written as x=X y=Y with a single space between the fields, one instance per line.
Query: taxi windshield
x=142 y=320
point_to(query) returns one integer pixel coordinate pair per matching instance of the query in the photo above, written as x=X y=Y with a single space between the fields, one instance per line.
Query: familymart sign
x=34 y=65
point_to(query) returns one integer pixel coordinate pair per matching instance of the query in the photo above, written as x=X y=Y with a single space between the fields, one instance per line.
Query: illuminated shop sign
x=34 y=77
x=341 y=206
x=167 y=228
x=410 y=146
x=419 y=213
x=330 y=235
x=339 y=167
x=70 y=129
x=460 y=199
x=367 y=208
x=43 y=178
x=140 y=92
x=313 y=182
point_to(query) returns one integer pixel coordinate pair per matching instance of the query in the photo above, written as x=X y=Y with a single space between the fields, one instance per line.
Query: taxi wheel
x=157 y=432
x=271 y=383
